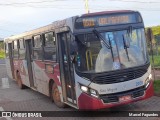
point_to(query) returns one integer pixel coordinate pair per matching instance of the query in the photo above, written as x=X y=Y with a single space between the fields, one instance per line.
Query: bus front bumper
x=86 y=102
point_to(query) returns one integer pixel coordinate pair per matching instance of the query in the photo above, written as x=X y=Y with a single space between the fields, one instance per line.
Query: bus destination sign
x=105 y=20
x=113 y=20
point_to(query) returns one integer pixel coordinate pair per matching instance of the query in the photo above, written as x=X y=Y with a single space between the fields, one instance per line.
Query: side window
x=50 y=46
x=37 y=47
x=21 y=44
x=50 y=40
x=15 y=48
x=15 y=44
x=37 y=41
x=21 y=49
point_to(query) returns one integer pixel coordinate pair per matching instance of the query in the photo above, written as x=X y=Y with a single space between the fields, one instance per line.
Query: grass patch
x=156 y=85
x=156 y=61
x=2 y=54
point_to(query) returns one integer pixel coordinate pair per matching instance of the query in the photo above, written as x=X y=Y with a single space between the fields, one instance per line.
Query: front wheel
x=56 y=96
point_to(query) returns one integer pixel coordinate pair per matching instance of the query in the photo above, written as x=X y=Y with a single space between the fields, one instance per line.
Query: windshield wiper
x=129 y=30
x=125 y=47
x=101 y=38
x=108 y=45
x=111 y=47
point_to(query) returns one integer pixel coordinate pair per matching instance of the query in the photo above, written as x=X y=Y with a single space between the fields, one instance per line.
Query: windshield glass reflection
x=127 y=49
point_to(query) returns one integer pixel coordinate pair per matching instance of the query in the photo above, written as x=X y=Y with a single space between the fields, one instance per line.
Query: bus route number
x=88 y=22
x=139 y=83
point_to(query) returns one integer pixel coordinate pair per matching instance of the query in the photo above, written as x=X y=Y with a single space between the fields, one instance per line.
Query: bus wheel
x=56 y=96
x=19 y=81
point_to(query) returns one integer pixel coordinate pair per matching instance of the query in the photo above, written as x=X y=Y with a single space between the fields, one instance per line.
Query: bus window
x=88 y=49
x=15 y=48
x=37 y=47
x=50 y=47
x=21 y=44
x=21 y=49
x=50 y=40
x=15 y=44
x=37 y=41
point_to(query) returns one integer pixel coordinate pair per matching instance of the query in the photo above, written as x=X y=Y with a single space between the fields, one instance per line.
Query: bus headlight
x=150 y=76
x=84 y=88
x=89 y=91
x=93 y=93
x=147 y=82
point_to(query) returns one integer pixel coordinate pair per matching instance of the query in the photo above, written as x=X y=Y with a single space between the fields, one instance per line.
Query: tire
x=19 y=81
x=56 y=97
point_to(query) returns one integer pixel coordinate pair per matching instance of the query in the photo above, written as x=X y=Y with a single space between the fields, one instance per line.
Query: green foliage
x=155 y=30
x=1 y=45
x=156 y=61
x=157 y=86
x=2 y=54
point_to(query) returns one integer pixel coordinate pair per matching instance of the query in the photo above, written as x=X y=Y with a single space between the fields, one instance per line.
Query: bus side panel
x=24 y=72
x=21 y=66
x=8 y=67
x=42 y=78
x=16 y=66
x=38 y=73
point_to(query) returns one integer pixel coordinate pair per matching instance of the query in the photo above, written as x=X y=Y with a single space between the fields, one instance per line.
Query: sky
x=18 y=16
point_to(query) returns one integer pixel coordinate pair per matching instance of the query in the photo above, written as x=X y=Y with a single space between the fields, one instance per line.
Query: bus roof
x=39 y=30
x=60 y=23
x=107 y=12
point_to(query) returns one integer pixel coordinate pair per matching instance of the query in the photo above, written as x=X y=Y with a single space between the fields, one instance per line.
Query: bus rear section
x=112 y=65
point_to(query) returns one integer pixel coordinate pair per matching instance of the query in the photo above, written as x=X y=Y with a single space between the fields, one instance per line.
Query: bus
x=93 y=61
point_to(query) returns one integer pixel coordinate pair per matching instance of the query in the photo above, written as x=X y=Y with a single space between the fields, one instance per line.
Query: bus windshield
x=127 y=49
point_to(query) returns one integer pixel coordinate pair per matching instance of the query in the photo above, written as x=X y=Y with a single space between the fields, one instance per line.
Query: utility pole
x=86 y=6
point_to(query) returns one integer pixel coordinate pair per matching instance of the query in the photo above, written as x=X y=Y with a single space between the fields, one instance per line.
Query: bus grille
x=135 y=93
x=119 y=77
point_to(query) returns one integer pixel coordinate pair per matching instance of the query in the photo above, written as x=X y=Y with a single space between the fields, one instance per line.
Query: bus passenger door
x=29 y=61
x=10 y=55
x=66 y=68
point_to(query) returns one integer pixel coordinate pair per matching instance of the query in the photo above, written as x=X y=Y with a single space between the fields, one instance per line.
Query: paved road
x=2 y=61
x=14 y=99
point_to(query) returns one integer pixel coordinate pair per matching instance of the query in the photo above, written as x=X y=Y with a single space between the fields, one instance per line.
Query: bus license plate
x=125 y=98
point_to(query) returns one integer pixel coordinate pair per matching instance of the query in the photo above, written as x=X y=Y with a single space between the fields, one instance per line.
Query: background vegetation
x=156 y=54
x=2 y=53
x=157 y=87
x=155 y=46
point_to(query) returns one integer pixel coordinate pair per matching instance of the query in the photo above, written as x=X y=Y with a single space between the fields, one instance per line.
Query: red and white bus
x=97 y=60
